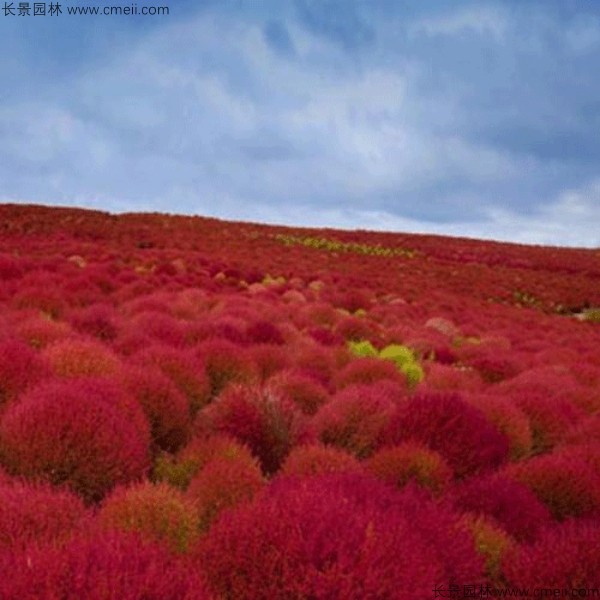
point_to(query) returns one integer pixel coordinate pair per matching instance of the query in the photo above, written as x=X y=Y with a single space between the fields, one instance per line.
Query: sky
x=469 y=118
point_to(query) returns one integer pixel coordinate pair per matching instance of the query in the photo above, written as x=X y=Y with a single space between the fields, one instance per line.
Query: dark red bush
x=20 y=368
x=513 y=505
x=37 y=513
x=567 y=484
x=79 y=433
x=563 y=557
x=303 y=391
x=355 y=418
x=221 y=484
x=107 y=566
x=165 y=406
x=226 y=363
x=269 y=424
x=318 y=459
x=336 y=536
x=157 y=512
x=450 y=426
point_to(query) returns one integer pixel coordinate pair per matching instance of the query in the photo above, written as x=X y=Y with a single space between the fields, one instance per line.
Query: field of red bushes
x=199 y=409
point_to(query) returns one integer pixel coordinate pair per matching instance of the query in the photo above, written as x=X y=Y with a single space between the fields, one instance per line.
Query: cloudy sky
x=475 y=118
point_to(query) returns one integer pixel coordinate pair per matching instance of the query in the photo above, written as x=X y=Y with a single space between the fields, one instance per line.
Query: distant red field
x=193 y=408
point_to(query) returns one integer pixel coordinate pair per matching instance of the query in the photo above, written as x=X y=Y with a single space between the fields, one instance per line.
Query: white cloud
x=480 y=19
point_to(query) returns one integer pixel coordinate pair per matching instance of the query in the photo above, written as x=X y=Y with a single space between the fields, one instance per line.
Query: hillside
x=259 y=411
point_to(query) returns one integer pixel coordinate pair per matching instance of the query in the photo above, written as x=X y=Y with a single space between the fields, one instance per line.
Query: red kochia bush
x=223 y=483
x=81 y=358
x=269 y=424
x=510 y=503
x=355 y=418
x=39 y=331
x=318 y=459
x=264 y=332
x=336 y=536
x=367 y=371
x=165 y=406
x=37 y=513
x=303 y=391
x=186 y=371
x=81 y=433
x=180 y=469
x=566 y=557
x=157 y=512
x=568 y=484
x=106 y=566
x=410 y=461
x=450 y=426
x=20 y=368
x=226 y=363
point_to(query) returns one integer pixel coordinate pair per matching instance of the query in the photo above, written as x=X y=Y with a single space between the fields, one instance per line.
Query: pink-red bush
x=450 y=426
x=563 y=557
x=106 y=566
x=20 y=368
x=367 y=371
x=157 y=512
x=167 y=409
x=336 y=536
x=37 y=513
x=318 y=459
x=223 y=483
x=267 y=423
x=186 y=371
x=226 y=363
x=81 y=358
x=303 y=391
x=180 y=469
x=355 y=418
x=514 y=506
x=410 y=462
x=79 y=433
x=567 y=484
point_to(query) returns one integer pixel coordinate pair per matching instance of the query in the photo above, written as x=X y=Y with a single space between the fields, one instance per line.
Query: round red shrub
x=160 y=327
x=448 y=378
x=264 y=332
x=20 y=368
x=567 y=484
x=79 y=433
x=180 y=469
x=157 y=512
x=550 y=417
x=223 y=483
x=336 y=536
x=510 y=503
x=186 y=371
x=355 y=329
x=39 y=331
x=268 y=359
x=37 y=513
x=81 y=358
x=509 y=419
x=269 y=424
x=98 y=320
x=166 y=407
x=318 y=459
x=226 y=363
x=303 y=391
x=563 y=557
x=450 y=426
x=367 y=371
x=355 y=418
x=105 y=566
x=410 y=462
